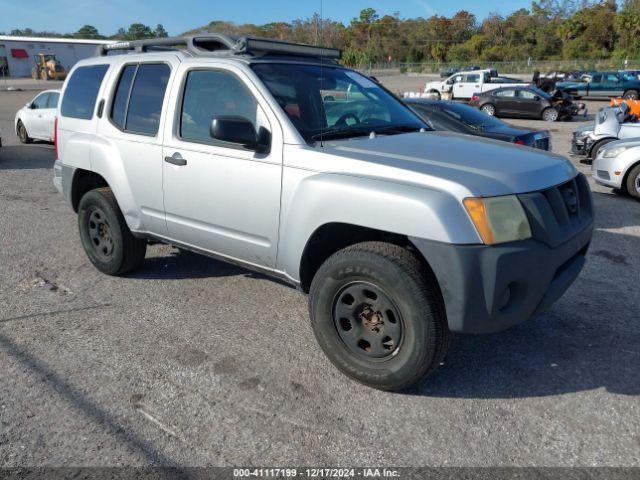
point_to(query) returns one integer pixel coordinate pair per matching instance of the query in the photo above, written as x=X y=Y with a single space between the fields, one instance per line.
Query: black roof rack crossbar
x=222 y=44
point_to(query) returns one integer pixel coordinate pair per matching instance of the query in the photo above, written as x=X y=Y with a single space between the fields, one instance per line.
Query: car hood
x=462 y=164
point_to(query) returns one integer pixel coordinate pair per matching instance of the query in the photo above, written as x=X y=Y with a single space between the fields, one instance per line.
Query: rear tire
x=633 y=182
x=105 y=236
x=550 y=114
x=631 y=95
x=489 y=109
x=23 y=135
x=378 y=315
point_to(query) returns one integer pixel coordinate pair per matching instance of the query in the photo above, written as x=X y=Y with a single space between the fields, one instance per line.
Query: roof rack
x=218 y=44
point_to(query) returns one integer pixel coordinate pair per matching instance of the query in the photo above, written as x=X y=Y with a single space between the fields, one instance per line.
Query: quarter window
x=211 y=93
x=137 y=103
x=80 y=95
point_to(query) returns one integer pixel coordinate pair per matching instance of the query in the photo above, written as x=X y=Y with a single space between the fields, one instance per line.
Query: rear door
x=49 y=115
x=595 y=87
x=33 y=117
x=131 y=124
x=506 y=102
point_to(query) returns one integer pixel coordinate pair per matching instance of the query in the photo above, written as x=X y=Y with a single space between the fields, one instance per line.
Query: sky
x=178 y=16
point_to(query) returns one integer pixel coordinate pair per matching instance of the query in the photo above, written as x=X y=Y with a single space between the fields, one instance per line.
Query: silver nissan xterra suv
x=273 y=156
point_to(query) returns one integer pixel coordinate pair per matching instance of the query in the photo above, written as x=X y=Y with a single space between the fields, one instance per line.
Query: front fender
x=311 y=200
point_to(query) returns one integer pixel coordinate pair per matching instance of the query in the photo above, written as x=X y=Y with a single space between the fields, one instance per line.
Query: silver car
x=618 y=166
x=275 y=157
x=609 y=125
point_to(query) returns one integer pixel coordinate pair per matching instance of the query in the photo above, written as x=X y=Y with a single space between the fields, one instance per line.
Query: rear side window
x=139 y=96
x=80 y=96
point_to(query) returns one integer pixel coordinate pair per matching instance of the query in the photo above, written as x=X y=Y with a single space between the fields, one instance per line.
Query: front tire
x=489 y=109
x=105 y=236
x=23 y=135
x=633 y=182
x=379 y=315
x=550 y=114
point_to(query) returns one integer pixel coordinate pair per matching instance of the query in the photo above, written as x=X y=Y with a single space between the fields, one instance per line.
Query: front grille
x=558 y=213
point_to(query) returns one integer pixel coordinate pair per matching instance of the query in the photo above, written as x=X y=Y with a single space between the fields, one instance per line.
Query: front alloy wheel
x=550 y=115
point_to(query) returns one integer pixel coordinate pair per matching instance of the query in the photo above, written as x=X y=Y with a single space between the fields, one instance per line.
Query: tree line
x=548 y=30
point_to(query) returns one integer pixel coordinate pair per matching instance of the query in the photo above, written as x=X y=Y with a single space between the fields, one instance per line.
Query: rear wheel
x=436 y=94
x=23 y=135
x=488 y=109
x=631 y=95
x=379 y=316
x=105 y=236
x=633 y=182
x=550 y=114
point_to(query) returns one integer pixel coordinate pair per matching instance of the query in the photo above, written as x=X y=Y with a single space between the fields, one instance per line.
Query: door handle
x=176 y=159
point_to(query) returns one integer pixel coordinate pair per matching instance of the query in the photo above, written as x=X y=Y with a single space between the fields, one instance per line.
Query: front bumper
x=604 y=171
x=491 y=288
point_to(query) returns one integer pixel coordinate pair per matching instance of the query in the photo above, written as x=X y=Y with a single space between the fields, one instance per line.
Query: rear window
x=80 y=96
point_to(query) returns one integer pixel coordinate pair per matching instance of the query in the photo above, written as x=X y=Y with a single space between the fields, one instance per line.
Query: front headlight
x=498 y=219
x=612 y=152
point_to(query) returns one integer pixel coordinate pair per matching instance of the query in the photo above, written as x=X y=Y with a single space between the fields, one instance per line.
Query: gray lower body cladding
x=491 y=288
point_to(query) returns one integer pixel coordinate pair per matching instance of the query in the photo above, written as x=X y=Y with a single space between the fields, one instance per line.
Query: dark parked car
x=460 y=118
x=525 y=102
x=603 y=85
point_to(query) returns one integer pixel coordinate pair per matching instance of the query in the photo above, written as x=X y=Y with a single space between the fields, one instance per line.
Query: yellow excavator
x=48 y=68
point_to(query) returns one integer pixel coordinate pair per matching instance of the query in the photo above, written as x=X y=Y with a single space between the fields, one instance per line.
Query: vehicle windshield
x=331 y=102
x=470 y=116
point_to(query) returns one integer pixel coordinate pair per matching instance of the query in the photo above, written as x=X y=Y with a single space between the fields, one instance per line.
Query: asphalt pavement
x=193 y=362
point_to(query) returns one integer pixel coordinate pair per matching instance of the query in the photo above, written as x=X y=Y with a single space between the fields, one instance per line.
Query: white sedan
x=36 y=119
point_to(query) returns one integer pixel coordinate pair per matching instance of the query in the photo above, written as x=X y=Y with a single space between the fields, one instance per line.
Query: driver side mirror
x=536 y=98
x=239 y=130
x=31 y=106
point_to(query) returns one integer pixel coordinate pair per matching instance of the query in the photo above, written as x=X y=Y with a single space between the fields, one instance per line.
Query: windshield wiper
x=341 y=133
x=394 y=129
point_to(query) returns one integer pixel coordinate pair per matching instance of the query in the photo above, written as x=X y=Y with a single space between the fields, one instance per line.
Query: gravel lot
x=194 y=362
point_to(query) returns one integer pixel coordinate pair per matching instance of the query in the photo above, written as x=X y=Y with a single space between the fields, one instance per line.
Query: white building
x=17 y=53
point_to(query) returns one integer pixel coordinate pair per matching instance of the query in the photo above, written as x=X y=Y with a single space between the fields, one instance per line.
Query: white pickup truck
x=464 y=85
